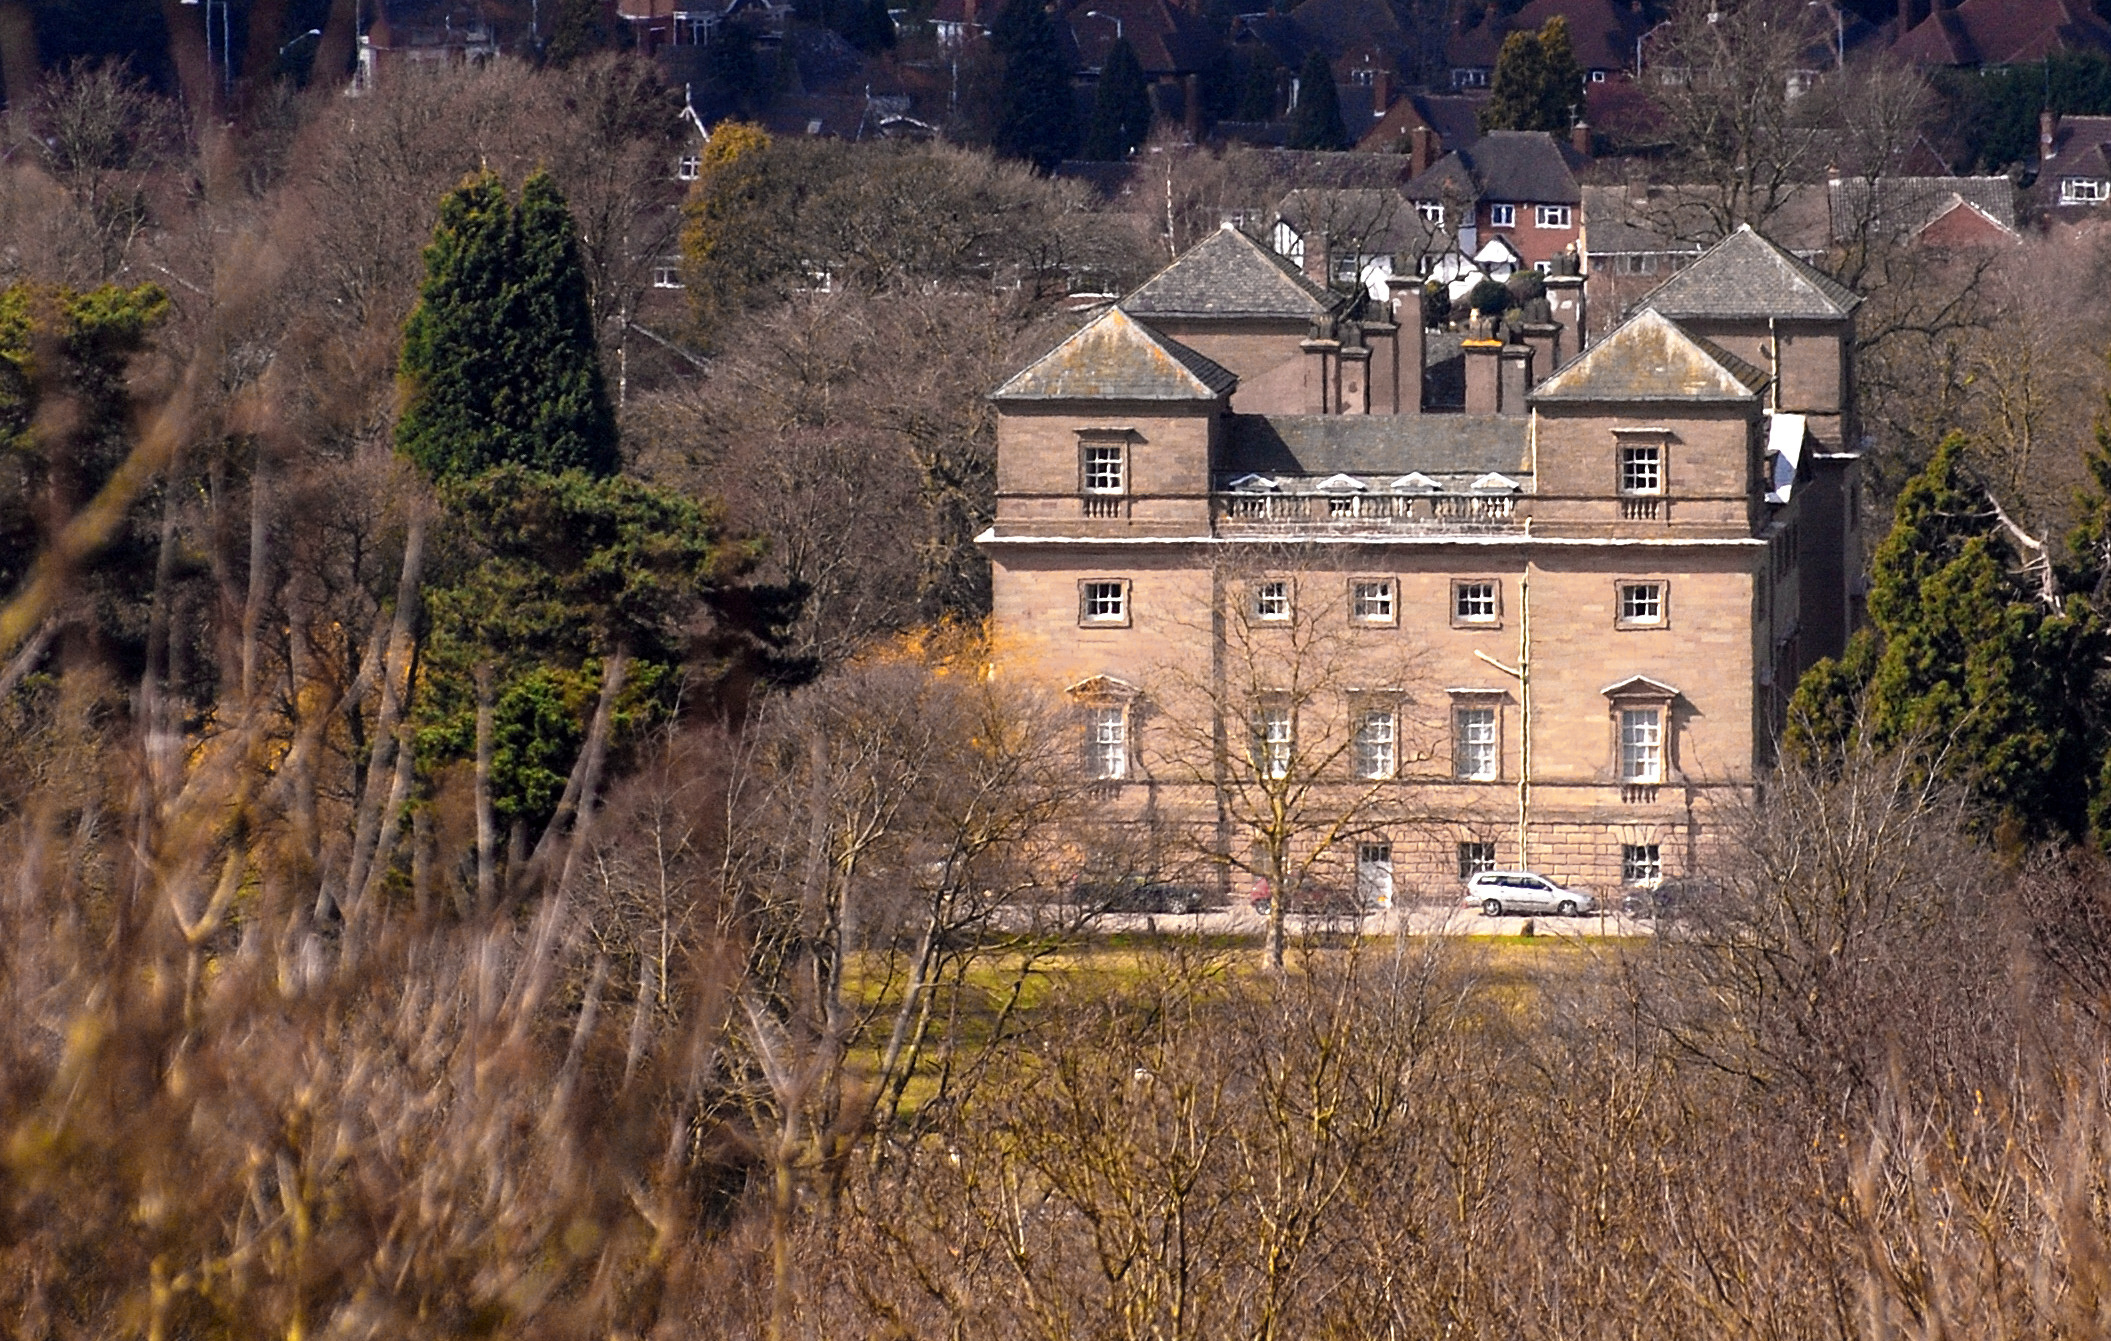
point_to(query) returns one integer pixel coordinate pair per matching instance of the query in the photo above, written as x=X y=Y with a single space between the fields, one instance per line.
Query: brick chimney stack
x=1419 y=151
x=2048 y=126
x=1381 y=92
x=1580 y=138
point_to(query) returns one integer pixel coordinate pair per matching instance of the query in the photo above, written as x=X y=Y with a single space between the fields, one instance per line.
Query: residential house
x=1355 y=236
x=1513 y=189
x=1568 y=617
x=1446 y=122
x=2074 y=162
x=1933 y=211
x=1602 y=33
x=1980 y=33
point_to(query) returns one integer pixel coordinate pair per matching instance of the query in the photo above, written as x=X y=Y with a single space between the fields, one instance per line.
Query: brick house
x=1517 y=185
x=1570 y=616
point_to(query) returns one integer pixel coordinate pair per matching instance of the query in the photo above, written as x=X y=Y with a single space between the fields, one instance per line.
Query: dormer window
x=2084 y=190
x=1432 y=212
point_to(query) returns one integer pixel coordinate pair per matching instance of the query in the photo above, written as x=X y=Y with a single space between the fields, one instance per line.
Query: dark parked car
x=1145 y=896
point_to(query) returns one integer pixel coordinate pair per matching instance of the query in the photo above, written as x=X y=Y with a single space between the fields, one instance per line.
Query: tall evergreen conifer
x=499 y=360
x=1963 y=661
x=1538 y=85
x=1121 y=107
x=1315 y=123
x=1036 y=115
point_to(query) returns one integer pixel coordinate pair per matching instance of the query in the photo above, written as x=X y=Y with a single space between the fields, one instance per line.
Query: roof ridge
x=1067 y=372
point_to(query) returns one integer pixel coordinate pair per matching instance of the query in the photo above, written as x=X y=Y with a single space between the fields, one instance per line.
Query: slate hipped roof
x=1375 y=445
x=1115 y=357
x=1648 y=358
x=1510 y=165
x=1749 y=275
x=1228 y=274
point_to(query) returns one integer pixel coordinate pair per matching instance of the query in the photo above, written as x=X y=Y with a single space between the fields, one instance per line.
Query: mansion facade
x=1556 y=629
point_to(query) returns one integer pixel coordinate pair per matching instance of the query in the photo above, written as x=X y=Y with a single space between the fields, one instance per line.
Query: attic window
x=2084 y=190
x=690 y=168
x=1432 y=212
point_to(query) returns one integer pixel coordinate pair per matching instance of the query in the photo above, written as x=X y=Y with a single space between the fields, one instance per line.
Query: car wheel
x=1491 y=907
x=1567 y=908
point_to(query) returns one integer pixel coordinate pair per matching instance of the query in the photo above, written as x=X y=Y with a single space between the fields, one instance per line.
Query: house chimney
x=1191 y=107
x=1483 y=369
x=968 y=12
x=1580 y=138
x=2048 y=126
x=1381 y=92
x=1515 y=379
x=1419 y=157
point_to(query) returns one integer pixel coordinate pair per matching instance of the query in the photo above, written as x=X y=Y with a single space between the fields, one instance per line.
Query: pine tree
x=1537 y=85
x=499 y=360
x=1962 y=662
x=1121 y=107
x=1036 y=115
x=1315 y=123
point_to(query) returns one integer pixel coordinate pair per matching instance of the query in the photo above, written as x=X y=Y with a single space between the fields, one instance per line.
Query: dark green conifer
x=1036 y=114
x=1538 y=85
x=1315 y=123
x=499 y=360
x=868 y=26
x=1121 y=107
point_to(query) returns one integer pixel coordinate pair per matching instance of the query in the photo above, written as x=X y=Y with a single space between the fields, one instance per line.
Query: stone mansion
x=1552 y=599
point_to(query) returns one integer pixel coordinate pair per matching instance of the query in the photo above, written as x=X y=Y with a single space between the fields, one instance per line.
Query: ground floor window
x=1475 y=858
x=1641 y=863
x=1374 y=874
x=1107 y=742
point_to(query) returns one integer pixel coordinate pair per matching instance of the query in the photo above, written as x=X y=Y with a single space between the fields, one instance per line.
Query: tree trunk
x=486 y=818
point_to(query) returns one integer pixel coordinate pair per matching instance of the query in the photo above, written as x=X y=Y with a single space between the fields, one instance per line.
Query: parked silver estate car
x=1499 y=892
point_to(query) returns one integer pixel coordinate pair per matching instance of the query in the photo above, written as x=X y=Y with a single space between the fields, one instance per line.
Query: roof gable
x=1749 y=275
x=1116 y=357
x=1509 y=165
x=1649 y=358
x=1229 y=274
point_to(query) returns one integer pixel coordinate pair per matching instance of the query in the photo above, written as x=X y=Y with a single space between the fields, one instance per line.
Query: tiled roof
x=1228 y=274
x=1379 y=446
x=1904 y=205
x=1115 y=357
x=1748 y=275
x=2002 y=32
x=2081 y=147
x=1371 y=220
x=1166 y=38
x=1648 y=358
x=1513 y=165
x=1601 y=34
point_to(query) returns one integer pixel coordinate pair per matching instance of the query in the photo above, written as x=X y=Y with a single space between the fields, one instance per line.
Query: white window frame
x=1552 y=216
x=1502 y=216
x=1093 y=478
x=1642 y=864
x=1641 y=745
x=667 y=277
x=1107 y=741
x=1103 y=602
x=1377 y=743
x=1432 y=212
x=1641 y=603
x=2084 y=190
x=1474 y=858
x=1476 y=742
x=689 y=167
x=1491 y=617
x=1374 y=601
x=1274 y=739
x=1642 y=469
x=1269 y=602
